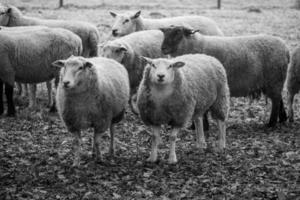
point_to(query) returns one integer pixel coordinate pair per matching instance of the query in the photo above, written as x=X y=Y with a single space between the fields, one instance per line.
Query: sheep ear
x=58 y=64
x=122 y=48
x=188 y=32
x=113 y=14
x=178 y=64
x=87 y=64
x=146 y=60
x=136 y=15
x=8 y=11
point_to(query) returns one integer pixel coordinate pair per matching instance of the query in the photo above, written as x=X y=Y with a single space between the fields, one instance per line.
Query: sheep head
x=124 y=23
x=114 y=51
x=174 y=36
x=74 y=73
x=4 y=15
x=162 y=71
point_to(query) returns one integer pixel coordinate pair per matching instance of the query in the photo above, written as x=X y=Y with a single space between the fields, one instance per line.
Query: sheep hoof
x=201 y=145
x=76 y=163
x=152 y=159
x=10 y=114
x=112 y=152
x=172 y=159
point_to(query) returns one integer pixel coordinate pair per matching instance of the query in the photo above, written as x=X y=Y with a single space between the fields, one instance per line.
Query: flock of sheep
x=171 y=71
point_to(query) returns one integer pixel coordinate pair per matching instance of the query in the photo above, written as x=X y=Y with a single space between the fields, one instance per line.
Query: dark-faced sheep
x=254 y=64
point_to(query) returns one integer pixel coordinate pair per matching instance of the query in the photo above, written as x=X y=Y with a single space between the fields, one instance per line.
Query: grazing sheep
x=26 y=57
x=180 y=89
x=92 y=92
x=88 y=33
x=254 y=64
x=128 y=23
x=293 y=81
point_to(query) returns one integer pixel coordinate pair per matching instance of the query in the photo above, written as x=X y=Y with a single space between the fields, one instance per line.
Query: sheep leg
x=274 y=112
x=173 y=138
x=24 y=90
x=53 y=106
x=1 y=98
x=19 y=88
x=200 y=138
x=32 y=96
x=282 y=113
x=155 y=142
x=112 y=141
x=77 y=148
x=49 y=90
x=222 y=136
x=290 y=106
x=96 y=147
x=9 y=91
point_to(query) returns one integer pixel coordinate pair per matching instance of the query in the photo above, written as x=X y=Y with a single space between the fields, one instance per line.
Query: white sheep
x=128 y=50
x=293 y=81
x=174 y=91
x=128 y=23
x=23 y=88
x=26 y=56
x=92 y=92
x=88 y=33
x=254 y=64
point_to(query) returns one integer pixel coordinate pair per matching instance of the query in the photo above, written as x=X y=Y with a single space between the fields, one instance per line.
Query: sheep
x=92 y=92
x=23 y=88
x=88 y=33
x=128 y=23
x=128 y=49
x=254 y=64
x=174 y=91
x=293 y=81
x=26 y=57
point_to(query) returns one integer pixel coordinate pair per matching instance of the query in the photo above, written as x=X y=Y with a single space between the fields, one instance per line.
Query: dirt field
x=259 y=163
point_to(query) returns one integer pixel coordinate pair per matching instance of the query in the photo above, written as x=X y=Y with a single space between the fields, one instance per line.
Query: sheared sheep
x=177 y=90
x=293 y=81
x=88 y=33
x=254 y=64
x=26 y=56
x=92 y=92
x=128 y=23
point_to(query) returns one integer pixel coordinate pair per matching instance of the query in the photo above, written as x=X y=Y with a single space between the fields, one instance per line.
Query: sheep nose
x=160 y=77
x=66 y=84
x=114 y=32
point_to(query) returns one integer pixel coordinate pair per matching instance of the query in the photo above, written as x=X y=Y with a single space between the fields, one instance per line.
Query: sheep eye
x=117 y=51
x=152 y=65
x=80 y=68
x=126 y=20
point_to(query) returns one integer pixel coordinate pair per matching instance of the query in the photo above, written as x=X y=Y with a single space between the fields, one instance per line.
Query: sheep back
x=86 y=31
x=205 y=25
